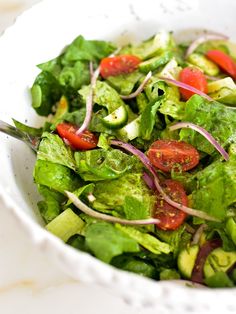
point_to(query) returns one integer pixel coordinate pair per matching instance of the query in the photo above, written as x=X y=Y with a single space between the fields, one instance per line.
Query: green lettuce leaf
x=124 y=83
x=216 y=118
x=28 y=129
x=111 y=194
x=55 y=176
x=135 y=264
x=104 y=95
x=106 y=241
x=102 y=164
x=148 y=119
x=87 y=50
x=45 y=92
x=50 y=207
x=216 y=188
x=53 y=149
x=148 y=241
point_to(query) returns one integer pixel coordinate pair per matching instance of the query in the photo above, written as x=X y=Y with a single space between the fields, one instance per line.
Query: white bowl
x=40 y=34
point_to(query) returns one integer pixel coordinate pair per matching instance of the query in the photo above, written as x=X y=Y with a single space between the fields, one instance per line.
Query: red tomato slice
x=170 y=217
x=193 y=77
x=170 y=154
x=224 y=61
x=117 y=65
x=84 y=141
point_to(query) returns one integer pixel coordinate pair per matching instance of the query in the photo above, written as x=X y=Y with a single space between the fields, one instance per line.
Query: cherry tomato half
x=224 y=61
x=171 y=154
x=193 y=77
x=84 y=141
x=117 y=65
x=170 y=217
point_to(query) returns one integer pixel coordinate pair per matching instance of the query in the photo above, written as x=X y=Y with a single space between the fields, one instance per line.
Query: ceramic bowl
x=40 y=34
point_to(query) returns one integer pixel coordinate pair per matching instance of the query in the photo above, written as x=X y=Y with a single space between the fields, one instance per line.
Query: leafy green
x=50 y=207
x=135 y=209
x=75 y=76
x=53 y=149
x=28 y=129
x=148 y=120
x=87 y=50
x=101 y=164
x=216 y=188
x=45 y=91
x=148 y=241
x=219 y=280
x=231 y=229
x=104 y=95
x=216 y=118
x=124 y=83
x=106 y=241
x=135 y=265
x=83 y=191
x=55 y=176
x=112 y=193
x=169 y=274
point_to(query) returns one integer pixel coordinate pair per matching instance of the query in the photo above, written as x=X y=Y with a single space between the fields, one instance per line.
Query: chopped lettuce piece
x=136 y=265
x=101 y=164
x=219 y=280
x=169 y=274
x=53 y=149
x=66 y=225
x=87 y=50
x=104 y=95
x=112 y=193
x=216 y=118
x=45 y=92
x=28 y=129
x=148 y=241
x=148 y=119
x=106 y=241
x=216 y=188
x=55 y=176
x=124 y=83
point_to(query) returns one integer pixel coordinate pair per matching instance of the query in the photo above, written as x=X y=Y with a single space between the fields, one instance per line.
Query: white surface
x=30 y=282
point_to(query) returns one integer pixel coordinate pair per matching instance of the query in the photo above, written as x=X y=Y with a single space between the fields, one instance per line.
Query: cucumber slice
x=154 y=63
x=203 y=63
x=186 y=260
x=218 y=261
x=131 y=130
x=117 y=118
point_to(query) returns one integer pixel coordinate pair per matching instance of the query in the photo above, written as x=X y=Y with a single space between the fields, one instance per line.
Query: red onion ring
x=89 y=102
x=92 y=213
x=202 y=39
x=187 y=87
x=146 y=162
x=149 y=181
x=140 y=88
x=203 y=132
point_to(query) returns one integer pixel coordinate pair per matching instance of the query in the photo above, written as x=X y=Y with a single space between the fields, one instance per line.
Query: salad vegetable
x=137 y=160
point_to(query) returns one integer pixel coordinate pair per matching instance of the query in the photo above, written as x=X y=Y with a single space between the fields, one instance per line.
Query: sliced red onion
x=198 y=233
x=146 y=162
x=187 y=87
x=202 y=39
x=89 y=103
x=92 y=213
x=140 y=88
x=203 y=132
x=205 y=250
x=149 y=181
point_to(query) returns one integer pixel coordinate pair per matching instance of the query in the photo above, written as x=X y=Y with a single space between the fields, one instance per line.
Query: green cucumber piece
x=131 y=130
x=203 y=63
x=116 y=119
x=218 y=261
x=154 y=63
x=186 y=260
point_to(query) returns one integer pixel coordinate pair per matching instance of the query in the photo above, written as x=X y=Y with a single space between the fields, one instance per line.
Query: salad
x=136 y=163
